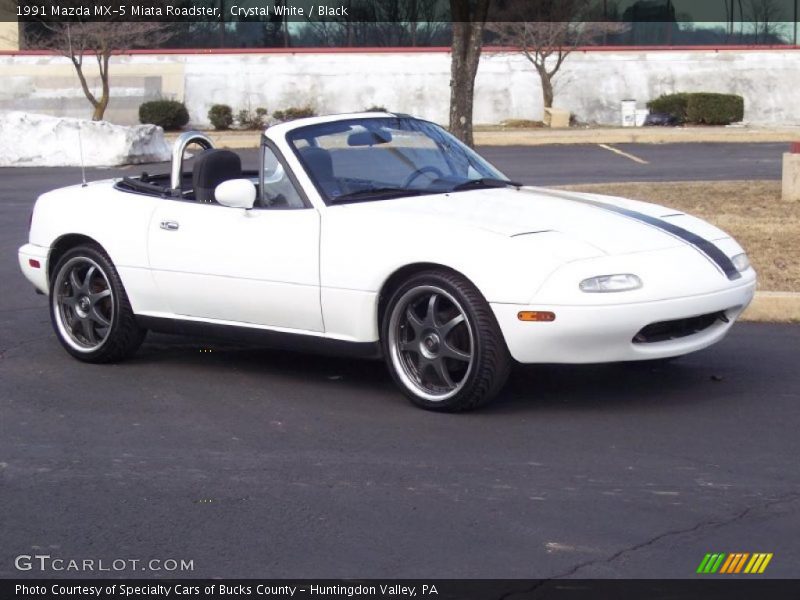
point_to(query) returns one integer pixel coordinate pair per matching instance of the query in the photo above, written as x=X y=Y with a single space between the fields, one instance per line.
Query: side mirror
x=236 y=193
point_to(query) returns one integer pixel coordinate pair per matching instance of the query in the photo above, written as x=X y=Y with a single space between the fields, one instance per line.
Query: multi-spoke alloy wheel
x=442 y=343
x=84 y=304
x=90 y=310
x=431 y=342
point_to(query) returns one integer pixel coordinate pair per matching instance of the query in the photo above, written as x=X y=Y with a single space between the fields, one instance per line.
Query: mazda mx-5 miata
x=380 y=235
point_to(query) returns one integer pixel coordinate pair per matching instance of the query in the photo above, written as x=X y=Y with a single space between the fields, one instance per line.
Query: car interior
x=209 y=169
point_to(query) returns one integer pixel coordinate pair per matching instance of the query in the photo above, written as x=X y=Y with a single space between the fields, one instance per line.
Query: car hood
x=515 y=212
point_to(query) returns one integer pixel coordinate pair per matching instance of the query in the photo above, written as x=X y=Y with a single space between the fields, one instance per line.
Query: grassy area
x=532 y=133
x=521 y=124
x=751 y=211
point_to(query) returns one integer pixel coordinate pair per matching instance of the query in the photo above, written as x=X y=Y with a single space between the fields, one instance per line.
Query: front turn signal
x=536 y=315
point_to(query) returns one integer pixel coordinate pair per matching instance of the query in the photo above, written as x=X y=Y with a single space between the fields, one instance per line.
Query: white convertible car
x=381 y=235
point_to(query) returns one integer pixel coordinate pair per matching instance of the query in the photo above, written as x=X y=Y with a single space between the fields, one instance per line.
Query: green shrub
x=252 y=120
x=671 y=104
x=700 y=108
x=294 y=112
x=221 y=116
x=376 y=108
x=168 y=114
x=715 y=109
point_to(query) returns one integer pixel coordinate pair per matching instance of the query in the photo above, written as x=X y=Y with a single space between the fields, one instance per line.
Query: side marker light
x=536 y=315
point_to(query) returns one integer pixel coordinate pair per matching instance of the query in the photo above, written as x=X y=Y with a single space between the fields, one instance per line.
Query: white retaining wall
x=592 y=83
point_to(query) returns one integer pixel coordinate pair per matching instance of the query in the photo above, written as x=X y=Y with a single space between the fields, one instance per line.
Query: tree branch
x=101 y=40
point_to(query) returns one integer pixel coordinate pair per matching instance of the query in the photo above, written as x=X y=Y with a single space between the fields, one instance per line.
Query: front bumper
x=596 y=334
x=36 y=275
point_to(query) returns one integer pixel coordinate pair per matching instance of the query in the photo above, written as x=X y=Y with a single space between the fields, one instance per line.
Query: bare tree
x=469 y=20
x=385 y=23
x=764 y=17
x=561 y=26
x=98 y=41
x=428 y=22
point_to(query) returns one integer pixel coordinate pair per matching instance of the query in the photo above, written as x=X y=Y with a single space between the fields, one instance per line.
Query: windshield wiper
x=485 y=182
x=380 y=193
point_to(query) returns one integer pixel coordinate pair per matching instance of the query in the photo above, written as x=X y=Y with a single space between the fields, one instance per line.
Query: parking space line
x=641 y=161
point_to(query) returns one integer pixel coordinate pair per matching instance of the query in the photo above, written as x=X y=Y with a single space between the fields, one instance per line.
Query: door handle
x=169 y=225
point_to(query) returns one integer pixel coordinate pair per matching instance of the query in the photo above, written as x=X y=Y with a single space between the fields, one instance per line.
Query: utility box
x=628 y=110
x=556 y=118
x=791 y=174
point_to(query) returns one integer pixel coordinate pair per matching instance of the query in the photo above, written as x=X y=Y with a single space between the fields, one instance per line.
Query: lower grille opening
x=664 y=331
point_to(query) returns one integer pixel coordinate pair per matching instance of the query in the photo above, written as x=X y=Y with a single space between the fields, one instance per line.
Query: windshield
x=387 y=157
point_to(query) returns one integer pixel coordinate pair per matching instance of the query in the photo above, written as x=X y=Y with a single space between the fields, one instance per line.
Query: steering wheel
x=422 y=171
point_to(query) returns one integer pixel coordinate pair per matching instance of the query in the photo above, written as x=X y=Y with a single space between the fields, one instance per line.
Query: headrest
x=212 y=167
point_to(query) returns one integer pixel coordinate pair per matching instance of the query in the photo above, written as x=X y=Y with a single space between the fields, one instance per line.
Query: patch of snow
x=33 y=140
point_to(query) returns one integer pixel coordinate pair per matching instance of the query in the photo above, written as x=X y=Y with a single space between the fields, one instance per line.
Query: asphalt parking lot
x=532 y=165
x=592 y=163
x=260 y=463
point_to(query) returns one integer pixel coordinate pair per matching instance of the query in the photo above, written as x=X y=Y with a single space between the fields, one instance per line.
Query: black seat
x=212 y=167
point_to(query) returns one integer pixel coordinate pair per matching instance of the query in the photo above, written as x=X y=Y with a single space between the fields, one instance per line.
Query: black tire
x=439 y=365
x=85 y=294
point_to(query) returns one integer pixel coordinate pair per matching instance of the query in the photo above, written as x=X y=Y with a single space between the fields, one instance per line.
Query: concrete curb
x=783 y=307
x=636 y=135
x=225 y=139
x=605 y=135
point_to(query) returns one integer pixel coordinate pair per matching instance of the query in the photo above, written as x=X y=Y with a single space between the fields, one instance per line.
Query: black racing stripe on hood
x=716 y=255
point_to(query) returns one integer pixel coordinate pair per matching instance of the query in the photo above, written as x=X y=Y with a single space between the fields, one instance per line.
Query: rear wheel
x=89 y=308
x=442 y=343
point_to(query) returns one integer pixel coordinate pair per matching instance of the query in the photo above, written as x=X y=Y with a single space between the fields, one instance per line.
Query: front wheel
x=442 y=343
x=89 y=308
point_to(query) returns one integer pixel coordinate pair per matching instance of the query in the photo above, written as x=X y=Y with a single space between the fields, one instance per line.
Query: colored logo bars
x=742 y=562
